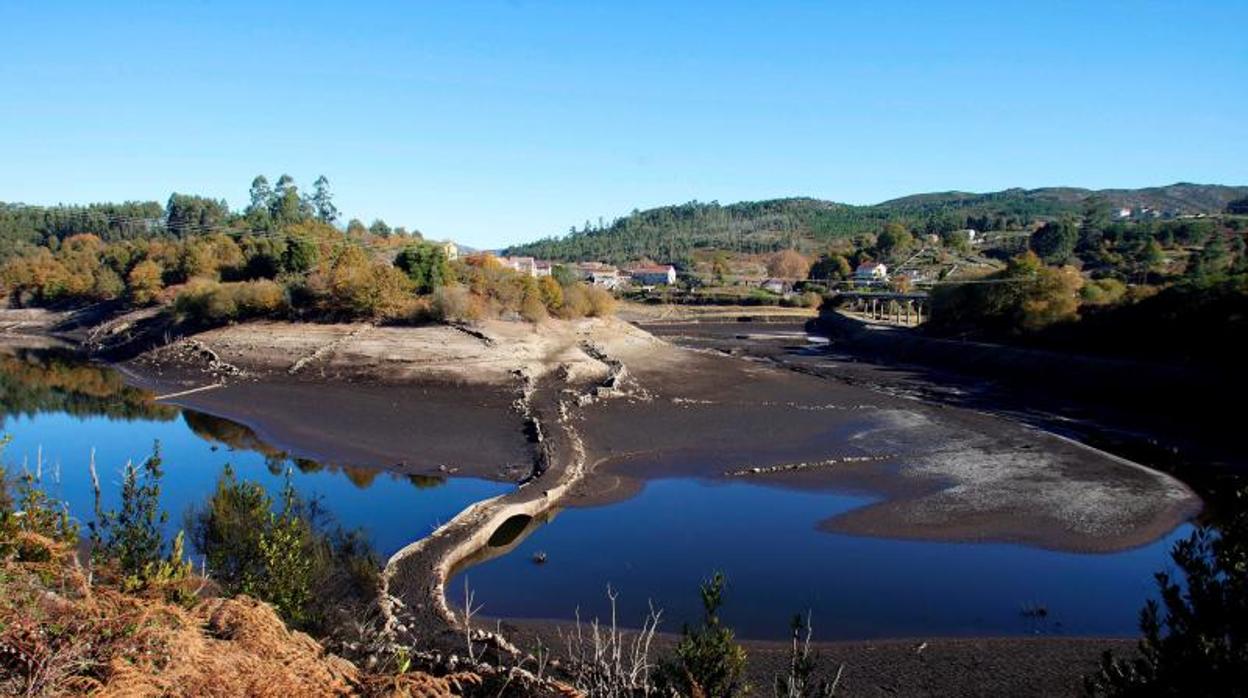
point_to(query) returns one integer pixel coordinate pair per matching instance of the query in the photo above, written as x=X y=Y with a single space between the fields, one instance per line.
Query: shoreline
x=1041 y=665
x=693 y=395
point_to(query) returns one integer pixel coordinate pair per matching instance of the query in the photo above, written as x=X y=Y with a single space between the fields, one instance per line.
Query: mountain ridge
x=673 y=232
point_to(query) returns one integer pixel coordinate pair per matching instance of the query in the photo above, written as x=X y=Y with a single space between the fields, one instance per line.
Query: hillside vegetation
x=673 y=233
x=281 y=257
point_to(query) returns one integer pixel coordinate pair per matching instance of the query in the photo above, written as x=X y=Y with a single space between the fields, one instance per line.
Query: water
x=63 y=409
x=660 y=544
x=656 y=546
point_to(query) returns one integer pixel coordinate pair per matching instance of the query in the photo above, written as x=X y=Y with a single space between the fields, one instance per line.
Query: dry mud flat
x=444 y=399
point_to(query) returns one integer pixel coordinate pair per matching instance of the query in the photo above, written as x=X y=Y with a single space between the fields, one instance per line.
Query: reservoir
x=652 y=548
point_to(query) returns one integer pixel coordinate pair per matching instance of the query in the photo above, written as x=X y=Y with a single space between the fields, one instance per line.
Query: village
x=785 y=278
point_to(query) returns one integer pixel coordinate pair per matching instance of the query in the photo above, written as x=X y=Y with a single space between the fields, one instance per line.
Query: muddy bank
x=442 y=399
x=1162 y=412
x=1039 y=666
x=945 y=474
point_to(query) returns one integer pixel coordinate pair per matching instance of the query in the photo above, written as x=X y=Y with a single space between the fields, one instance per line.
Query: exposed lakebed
x=655 y=546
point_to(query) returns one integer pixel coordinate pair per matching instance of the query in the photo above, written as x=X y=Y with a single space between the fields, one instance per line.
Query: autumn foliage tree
x=788 y=264
x=1024 y=297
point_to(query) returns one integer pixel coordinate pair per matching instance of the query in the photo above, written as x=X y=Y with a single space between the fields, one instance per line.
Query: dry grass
x=61 y=635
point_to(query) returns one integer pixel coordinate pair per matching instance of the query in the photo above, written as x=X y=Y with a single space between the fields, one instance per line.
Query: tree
x=134 y=534
x=356 y=228
x=562 y=274
x=958 y=241
x=1024 y=297
x=719 y=268
x=379 y=228
x=894 y=240
x=144 y=283
x=257 y=214
x=1096 y=218
x=286 y=207
x=426 y=265
x=829 y=267
x=301 y=255
x=1055 y=242
x=551 y=292
x=322 y=201
x=1238 y=207
x=788 y=264
x=189 y=215
x=1212 y=260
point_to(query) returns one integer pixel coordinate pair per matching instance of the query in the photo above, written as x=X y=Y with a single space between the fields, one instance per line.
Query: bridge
x=892 y=307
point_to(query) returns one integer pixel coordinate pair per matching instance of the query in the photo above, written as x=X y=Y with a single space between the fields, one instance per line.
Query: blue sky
x=493 y=123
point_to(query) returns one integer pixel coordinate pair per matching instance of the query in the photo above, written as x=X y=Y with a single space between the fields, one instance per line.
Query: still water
x=56 y=410
x=654 y=547
x=658 y=545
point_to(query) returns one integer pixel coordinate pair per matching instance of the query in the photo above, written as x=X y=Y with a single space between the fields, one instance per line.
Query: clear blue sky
x=493 y=123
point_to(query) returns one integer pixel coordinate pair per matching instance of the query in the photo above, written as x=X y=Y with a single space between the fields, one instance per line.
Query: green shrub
x=280 y=556
x=1102 y=292
x=708 y=659
x=1196 y=640
x=426 y=265
x=133 y=536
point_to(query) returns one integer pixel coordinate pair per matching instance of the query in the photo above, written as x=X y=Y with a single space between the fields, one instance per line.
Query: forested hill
x=672 y=233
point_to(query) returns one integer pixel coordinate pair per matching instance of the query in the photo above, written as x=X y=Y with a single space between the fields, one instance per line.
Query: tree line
x=270 y=208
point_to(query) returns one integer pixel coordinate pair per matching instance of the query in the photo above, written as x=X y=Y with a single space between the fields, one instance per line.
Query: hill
x=672 y=233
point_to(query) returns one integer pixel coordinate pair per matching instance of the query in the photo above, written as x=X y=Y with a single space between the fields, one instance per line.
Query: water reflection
x=36 y=381
x=61 y=410
x=240 y=437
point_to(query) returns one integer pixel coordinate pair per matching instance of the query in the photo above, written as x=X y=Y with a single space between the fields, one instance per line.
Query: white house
x=778 y=286
x=600 y=274
x=527 y=265
x=871 y=273
x=654 y=275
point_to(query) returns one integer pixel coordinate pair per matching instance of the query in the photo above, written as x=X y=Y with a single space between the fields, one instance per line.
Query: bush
x=1106 y=291
x=1197 y=644
x=144 y=283
x=601 y=302
x=281 y=556
x=709 y=661
x=31 y=512
x=133 y=536
x=532 y=308
x=455 y=304
x=210 y=302
x=576 y=302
